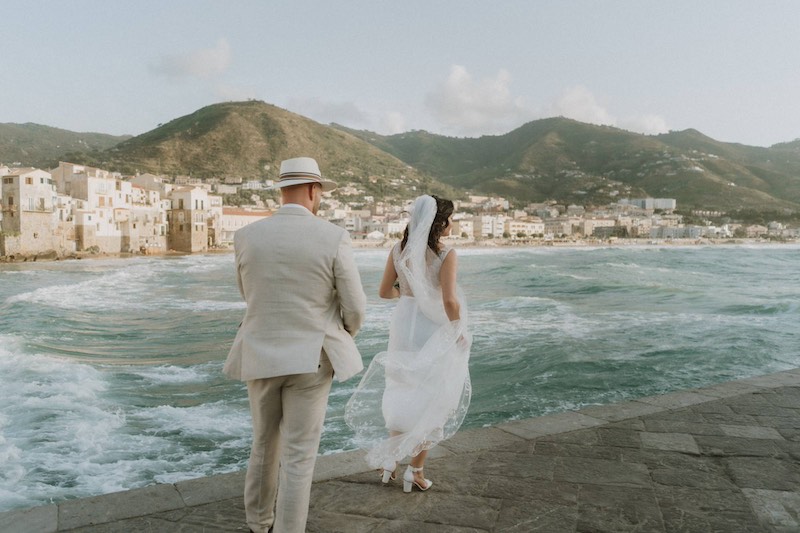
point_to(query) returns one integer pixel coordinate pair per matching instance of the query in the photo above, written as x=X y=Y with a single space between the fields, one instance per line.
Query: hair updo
x=444 y=208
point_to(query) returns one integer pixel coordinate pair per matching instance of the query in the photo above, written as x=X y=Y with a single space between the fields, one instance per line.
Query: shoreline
x=364 y=244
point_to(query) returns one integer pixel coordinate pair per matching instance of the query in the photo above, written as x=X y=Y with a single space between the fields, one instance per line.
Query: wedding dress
x=420 y=386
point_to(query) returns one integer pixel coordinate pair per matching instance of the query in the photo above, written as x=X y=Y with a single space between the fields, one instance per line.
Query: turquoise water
x=111 y=368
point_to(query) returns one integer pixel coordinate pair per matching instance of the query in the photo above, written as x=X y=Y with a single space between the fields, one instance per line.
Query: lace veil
x=413 y=261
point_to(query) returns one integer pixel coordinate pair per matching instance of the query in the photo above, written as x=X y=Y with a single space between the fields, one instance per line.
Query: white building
x=235 y=218
x=30 y=224
x=488 y=226
x=523 y=228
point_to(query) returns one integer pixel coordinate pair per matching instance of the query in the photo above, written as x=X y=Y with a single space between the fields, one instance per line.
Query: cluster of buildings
x=75 y=208
x=482 y=218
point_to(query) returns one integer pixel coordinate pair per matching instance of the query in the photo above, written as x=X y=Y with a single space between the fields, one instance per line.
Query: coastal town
x=75 y=211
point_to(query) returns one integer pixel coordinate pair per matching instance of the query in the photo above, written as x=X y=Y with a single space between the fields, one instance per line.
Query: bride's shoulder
x=445 y=251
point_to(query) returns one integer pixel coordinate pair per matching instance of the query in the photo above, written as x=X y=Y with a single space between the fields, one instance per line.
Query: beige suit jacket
x=303 y=292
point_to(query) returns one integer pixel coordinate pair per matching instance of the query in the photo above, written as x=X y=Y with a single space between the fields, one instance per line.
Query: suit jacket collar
x=293 y=209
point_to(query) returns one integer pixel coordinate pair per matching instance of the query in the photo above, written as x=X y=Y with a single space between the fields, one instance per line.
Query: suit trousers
x=288 y=413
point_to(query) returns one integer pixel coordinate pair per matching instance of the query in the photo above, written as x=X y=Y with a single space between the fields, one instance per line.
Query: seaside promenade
x=724 y=458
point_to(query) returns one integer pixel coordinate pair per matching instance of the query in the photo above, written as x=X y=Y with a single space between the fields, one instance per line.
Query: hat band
x=295 y=175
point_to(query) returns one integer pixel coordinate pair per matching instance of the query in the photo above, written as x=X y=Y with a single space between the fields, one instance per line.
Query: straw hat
x=302 y=170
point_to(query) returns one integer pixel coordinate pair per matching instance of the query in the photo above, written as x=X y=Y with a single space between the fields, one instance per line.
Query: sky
x=466 y=68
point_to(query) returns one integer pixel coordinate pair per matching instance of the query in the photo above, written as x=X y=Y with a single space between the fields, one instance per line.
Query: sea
x=111 y=369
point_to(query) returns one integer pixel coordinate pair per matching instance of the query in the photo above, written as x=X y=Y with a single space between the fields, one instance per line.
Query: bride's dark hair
x=444 y=208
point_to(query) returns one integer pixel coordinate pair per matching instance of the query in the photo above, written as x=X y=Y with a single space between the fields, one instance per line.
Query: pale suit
x=305 y=303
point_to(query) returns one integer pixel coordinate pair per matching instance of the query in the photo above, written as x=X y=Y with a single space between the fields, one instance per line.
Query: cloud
x=204 y=63
x=348 y=114
x=227 y=92
x=392 y=123
x=474 y=107
x=647 y=124
x=324 y=112
x=579 y=103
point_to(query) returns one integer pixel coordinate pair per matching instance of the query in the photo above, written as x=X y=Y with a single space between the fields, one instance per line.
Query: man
x=305 y=303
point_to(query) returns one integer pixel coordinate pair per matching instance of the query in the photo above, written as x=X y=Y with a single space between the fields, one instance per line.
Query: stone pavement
x=724 y=458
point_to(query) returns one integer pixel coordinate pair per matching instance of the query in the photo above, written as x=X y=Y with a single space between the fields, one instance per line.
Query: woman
x=419 y=389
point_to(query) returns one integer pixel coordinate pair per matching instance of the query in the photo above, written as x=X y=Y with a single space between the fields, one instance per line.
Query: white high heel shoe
x=388 y=472
x=409 y=481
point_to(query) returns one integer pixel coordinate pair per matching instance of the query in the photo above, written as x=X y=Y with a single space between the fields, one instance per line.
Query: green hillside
x=570 y=161
x=550 y=159
x=34 y=145
x=248 y=140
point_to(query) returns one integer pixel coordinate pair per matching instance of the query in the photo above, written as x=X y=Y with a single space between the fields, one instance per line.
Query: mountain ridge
x=554 y=158
x=566 y=160
x=38 y=145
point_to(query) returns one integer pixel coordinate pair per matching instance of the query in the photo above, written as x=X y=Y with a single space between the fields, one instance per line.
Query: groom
x=305 y=304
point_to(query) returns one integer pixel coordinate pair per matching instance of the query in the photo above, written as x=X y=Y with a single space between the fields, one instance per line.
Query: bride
x=419 y=388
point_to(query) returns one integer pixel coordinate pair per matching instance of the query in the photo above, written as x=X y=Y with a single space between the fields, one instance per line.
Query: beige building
x=151 y=182
x=188 y=220
x=588 y=225
x=31 y=210
x=523 y=228
x=235 y=218
x=559 y=227
x=146 y=229
x=488 y=226
x=463 y=228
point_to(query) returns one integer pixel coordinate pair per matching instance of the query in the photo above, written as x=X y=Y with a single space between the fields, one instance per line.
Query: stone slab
x=733 y=446
x=118 y=506
x=751 y=432
x=390 y=503
x=515 y=465
x=550 y=425
x=223 y=515
x=692 y=510
x=42 y=519
x=676 y=400
x=777 y=509
x=620 y=411
x=536 y=516
x=764 y=473
x=677 y=477
x=679 y=426
x=728 y=389
x=618 y=509
x=598 y=471
x=473 y=440
x=211 y=489
x=340 y=464
x=785 y=397
x=773 y=381
x=673 y=442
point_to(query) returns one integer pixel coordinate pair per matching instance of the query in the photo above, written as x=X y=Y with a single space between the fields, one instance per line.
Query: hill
x=249 y=140
x=570 y=161
x=549 y=159
x=41 y=146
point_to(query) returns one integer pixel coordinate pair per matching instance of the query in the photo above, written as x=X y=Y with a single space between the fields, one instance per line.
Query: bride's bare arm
x=447 y=279
x=387 y=289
